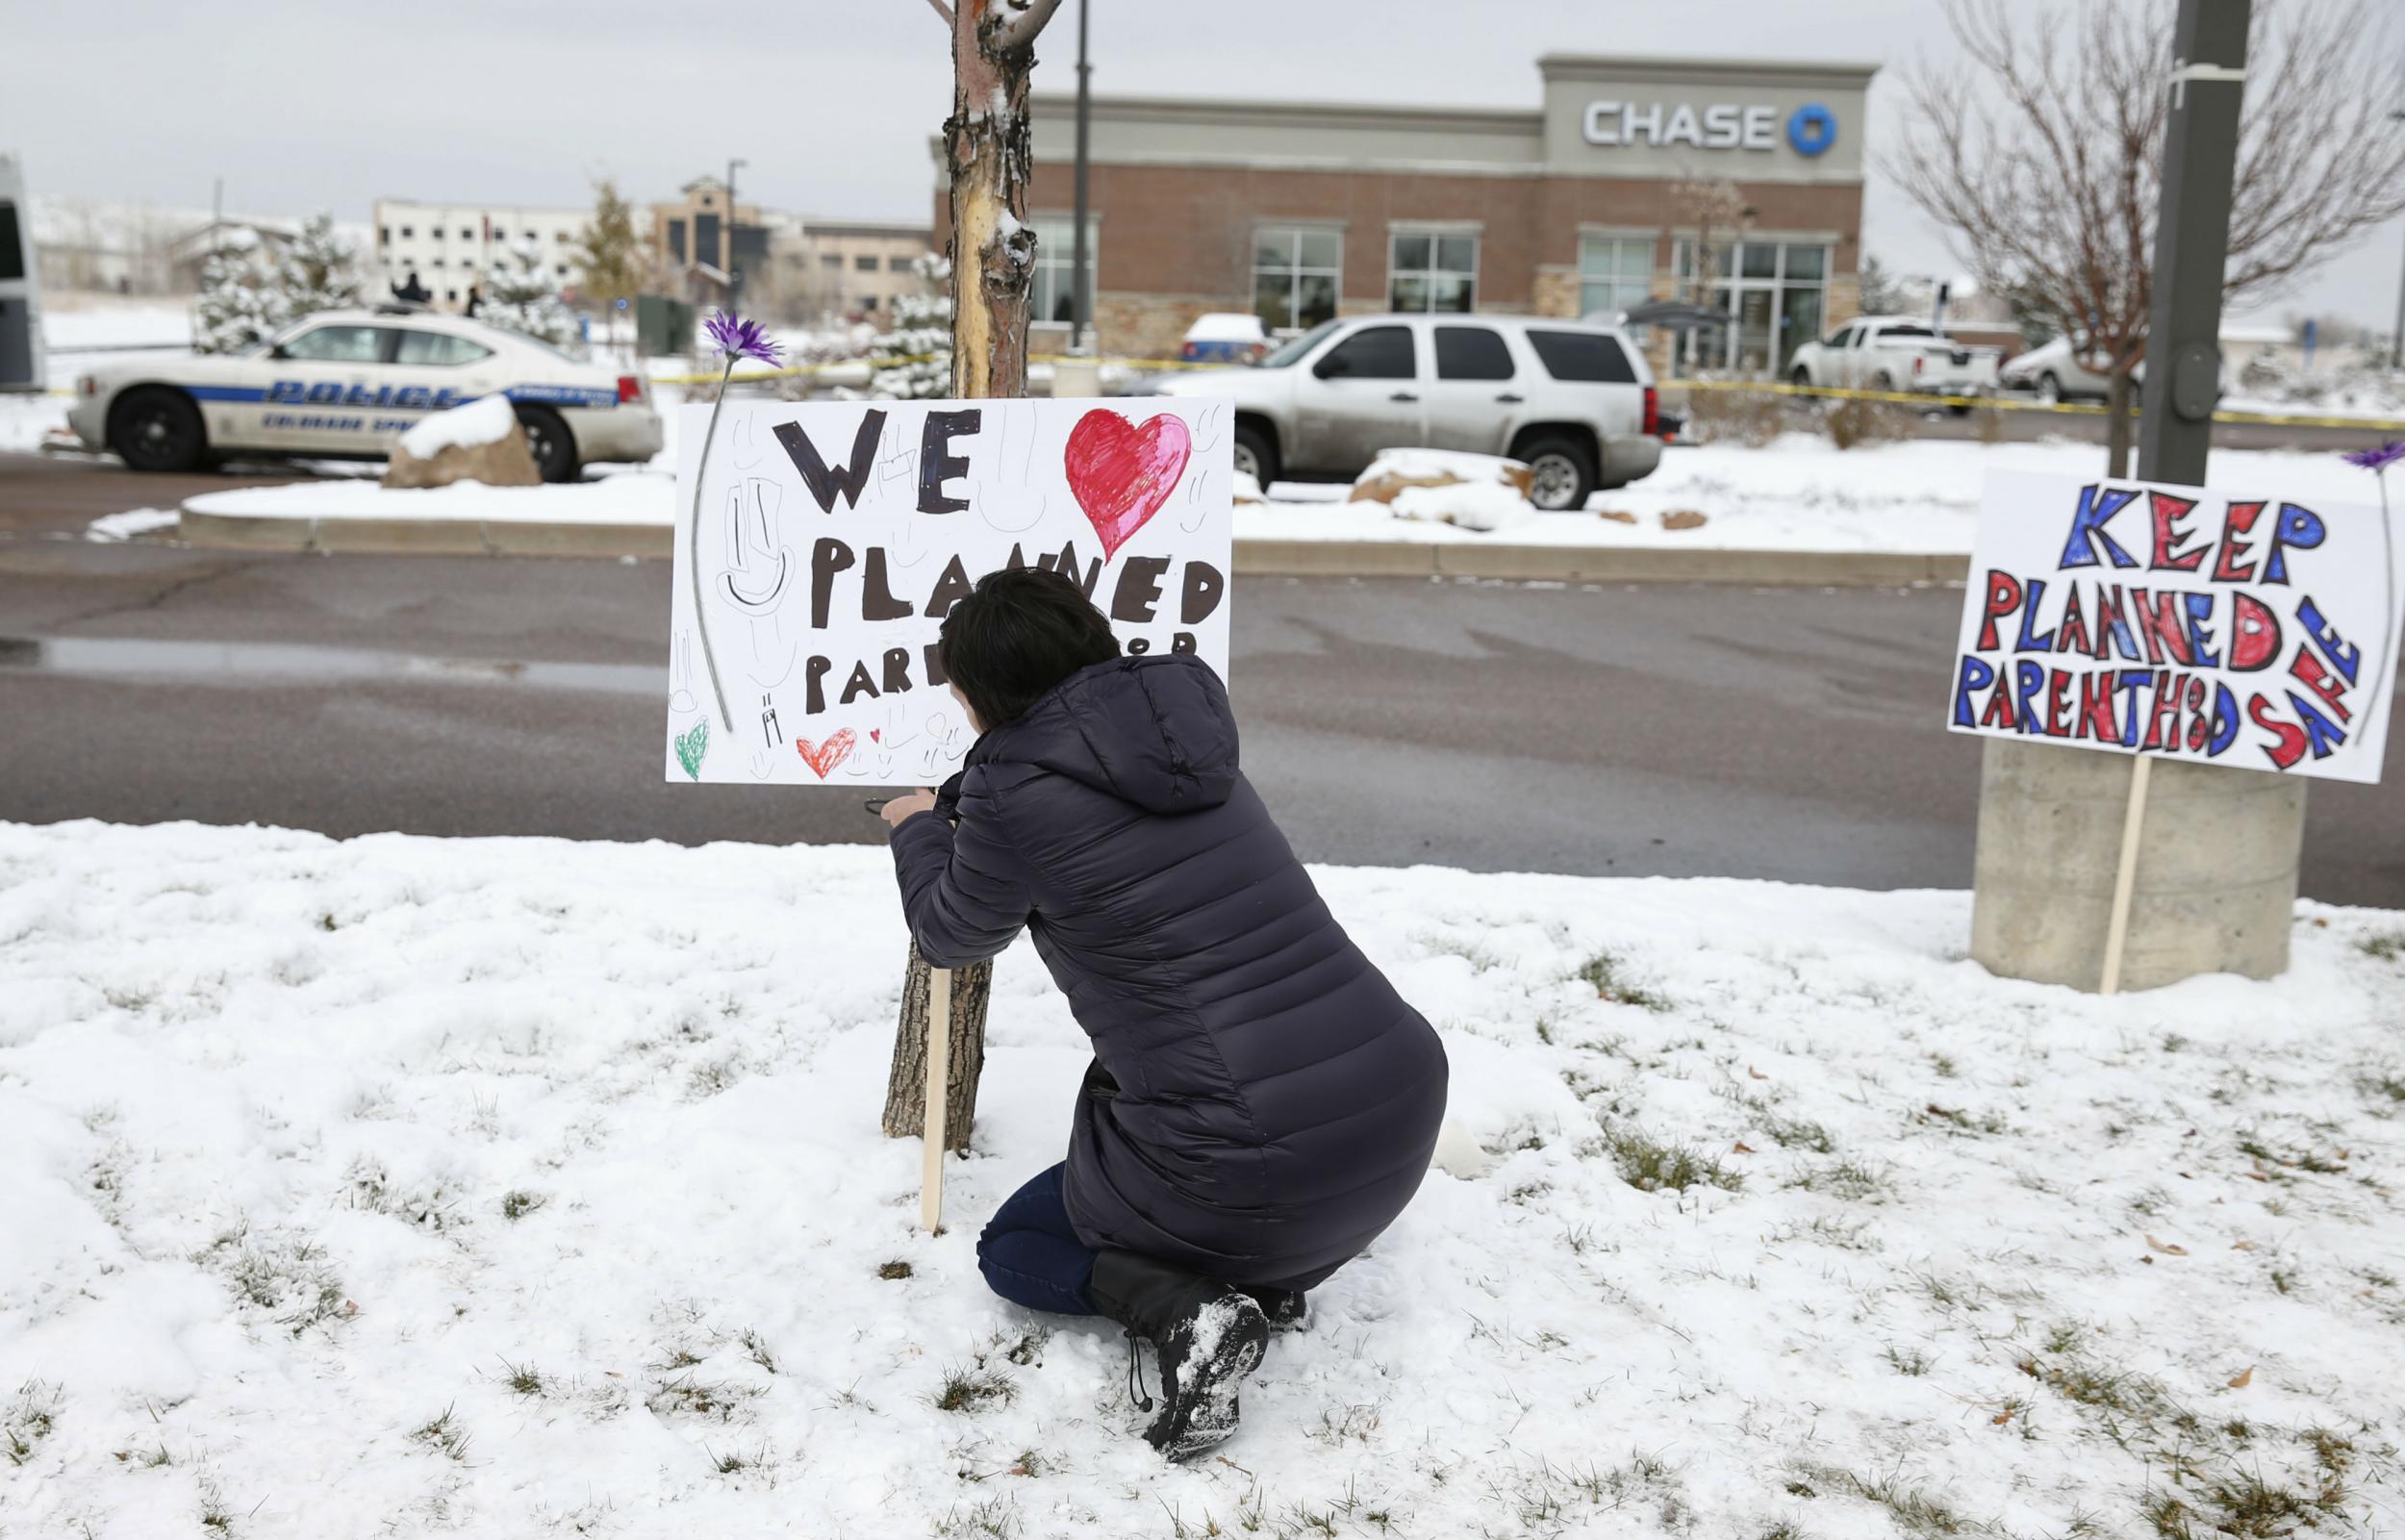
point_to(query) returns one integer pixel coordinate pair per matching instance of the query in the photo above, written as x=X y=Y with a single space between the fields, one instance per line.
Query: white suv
x=1574 y=400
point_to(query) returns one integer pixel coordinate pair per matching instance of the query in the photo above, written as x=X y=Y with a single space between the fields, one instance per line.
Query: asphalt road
x=1679 y=731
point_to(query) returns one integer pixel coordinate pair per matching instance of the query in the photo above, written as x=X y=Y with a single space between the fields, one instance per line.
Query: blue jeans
x=1031 y=1256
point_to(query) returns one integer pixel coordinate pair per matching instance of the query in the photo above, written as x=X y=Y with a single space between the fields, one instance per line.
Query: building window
x=676 y=240
x=437 y=261
x=560 y=269
x=1432 y=272
x=897 y=264
x=450 y=293
x=832 y=263
x=869 y=303
x=499 y=233
x=1616 y=273
x=866 y=264
x=384 y=235
x=1055 y=243
x=559 y=236
x=706 y=238
x=406 y=232
x=465 y=234
x=1774 y=292
x=1295 y=274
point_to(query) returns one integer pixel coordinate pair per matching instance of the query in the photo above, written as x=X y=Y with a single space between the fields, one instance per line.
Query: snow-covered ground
x=1798 y=493
x=631 y=497
x=519 y=1187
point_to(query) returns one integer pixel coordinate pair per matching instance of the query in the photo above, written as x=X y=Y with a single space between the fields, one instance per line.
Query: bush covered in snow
x=916 y=360
x=319 y=271
x=237 y=305
x=518 y=299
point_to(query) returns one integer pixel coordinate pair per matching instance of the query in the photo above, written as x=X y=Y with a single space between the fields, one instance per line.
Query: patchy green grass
x=516 y=1206
x=523 y=1380
x=2387 y=947
x=1604 y=972
x=1851 y=1181
x=28 y=1420
x=892 y=1271
x=443 y=1435
x=968 y=1390
x=1651 y=1166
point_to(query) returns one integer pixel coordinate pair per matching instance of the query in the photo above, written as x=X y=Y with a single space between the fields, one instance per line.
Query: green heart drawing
x=692 y=745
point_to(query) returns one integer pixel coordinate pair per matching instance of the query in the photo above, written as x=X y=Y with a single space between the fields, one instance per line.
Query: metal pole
x=2397 y=338
x=2193 y=241
x=734 y=274
x=1078 y=318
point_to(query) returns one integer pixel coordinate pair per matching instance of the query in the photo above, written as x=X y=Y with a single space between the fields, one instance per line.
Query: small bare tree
x=2041 y=156
x=988 y=154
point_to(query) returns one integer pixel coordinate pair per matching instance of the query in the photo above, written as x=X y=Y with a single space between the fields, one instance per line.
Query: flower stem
x=693 y=553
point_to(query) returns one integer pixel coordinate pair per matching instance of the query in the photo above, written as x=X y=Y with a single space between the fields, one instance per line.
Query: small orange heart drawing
x=823 y=758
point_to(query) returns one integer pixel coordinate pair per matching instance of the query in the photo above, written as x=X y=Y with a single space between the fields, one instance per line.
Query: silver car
x=1574 y=400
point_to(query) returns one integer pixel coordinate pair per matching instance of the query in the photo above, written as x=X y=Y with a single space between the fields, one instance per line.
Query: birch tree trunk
x=988 y=151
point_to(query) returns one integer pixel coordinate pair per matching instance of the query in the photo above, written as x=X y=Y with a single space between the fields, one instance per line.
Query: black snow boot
x=1287 y=1310
x=1207 y=1335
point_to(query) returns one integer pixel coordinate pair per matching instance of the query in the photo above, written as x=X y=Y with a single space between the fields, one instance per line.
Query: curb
x=1257 y=558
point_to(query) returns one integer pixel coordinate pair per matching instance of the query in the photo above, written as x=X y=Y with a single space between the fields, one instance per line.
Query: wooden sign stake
x=939 y=1094
x=2125 y=879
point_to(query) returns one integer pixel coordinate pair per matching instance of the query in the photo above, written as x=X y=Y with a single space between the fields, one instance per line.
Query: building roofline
x=1697 y=69
x=1511 y=119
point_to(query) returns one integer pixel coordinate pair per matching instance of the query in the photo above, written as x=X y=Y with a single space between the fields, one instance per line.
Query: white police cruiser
x=344 y=384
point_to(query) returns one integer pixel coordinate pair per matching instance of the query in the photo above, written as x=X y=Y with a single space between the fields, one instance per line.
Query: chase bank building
x=1732 y=185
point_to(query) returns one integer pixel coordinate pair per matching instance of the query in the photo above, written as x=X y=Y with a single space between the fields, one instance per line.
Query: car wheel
x=554 y=446
x=1561 y=474
x=1887 y=383
x=1801 y=379
x=1256 y=454
x=2049 y=388
x=158 y=430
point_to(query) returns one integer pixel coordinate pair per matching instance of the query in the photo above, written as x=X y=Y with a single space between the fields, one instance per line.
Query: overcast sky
x=301 y=106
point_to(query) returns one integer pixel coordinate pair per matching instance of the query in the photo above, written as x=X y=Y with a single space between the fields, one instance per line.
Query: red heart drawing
x=876 y=735
x=825 y=757
x=1120 y=473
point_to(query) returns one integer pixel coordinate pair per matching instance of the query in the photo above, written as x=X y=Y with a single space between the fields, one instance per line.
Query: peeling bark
x=989 y=155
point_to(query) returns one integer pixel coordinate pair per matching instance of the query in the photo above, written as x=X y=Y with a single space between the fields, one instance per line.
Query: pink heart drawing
x=825 y=757
x=876 y=735
x=1120 y=473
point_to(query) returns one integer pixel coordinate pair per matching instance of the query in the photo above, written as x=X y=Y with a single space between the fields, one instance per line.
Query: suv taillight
x=629 y=389
x=1653 y=412
x=1190 y=352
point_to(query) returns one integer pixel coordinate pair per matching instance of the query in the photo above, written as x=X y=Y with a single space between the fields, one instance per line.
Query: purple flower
x=740 y=339
x=2380 y=459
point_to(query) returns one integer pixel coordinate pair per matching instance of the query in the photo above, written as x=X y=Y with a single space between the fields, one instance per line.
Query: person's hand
x=899 y=808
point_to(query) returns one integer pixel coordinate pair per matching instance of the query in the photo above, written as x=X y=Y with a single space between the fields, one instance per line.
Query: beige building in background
x=453 y=245
x=860 y=266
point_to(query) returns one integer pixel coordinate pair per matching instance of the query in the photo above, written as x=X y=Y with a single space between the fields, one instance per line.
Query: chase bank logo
x=1812 y=128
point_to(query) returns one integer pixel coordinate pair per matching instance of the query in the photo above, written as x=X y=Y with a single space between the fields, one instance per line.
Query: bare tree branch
x=942 y=10
x=2041 y=157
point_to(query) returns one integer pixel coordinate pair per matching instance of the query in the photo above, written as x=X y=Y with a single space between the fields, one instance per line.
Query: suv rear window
x=1587 y=357
x=11 y=251
x=1472 y=353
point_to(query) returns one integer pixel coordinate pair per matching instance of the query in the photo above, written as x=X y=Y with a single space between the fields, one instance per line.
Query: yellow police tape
x=2283 y=419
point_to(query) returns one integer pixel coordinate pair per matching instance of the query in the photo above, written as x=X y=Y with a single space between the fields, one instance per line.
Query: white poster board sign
x=834 y=537
x=2242 y=628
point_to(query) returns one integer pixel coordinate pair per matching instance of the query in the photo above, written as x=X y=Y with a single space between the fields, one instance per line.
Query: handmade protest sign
x=834 y=537
x=2244 y=628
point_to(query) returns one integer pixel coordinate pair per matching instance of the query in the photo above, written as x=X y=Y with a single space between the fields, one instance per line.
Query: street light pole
x=734 y=274
x=1078 y=318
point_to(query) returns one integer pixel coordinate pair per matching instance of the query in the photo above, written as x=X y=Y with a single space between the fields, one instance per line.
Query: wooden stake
x=939 y=1072
x=2125 y=880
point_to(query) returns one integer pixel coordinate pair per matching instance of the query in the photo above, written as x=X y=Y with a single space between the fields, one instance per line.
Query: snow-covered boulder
x=1480 y=505
x=1398 y=469
x=478 y=441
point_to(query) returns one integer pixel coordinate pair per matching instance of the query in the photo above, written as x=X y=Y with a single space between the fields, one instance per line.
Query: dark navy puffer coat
x=1263 y=1103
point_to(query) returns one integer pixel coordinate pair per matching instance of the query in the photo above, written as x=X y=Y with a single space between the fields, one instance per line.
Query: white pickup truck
x=1893 y=353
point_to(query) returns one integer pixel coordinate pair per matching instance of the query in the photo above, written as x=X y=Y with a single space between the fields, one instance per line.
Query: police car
x=344 y=384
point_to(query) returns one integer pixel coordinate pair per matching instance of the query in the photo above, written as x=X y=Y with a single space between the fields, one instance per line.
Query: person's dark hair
x=1019 y=632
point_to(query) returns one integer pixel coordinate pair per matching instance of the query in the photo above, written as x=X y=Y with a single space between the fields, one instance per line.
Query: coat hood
x=1155 y=731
